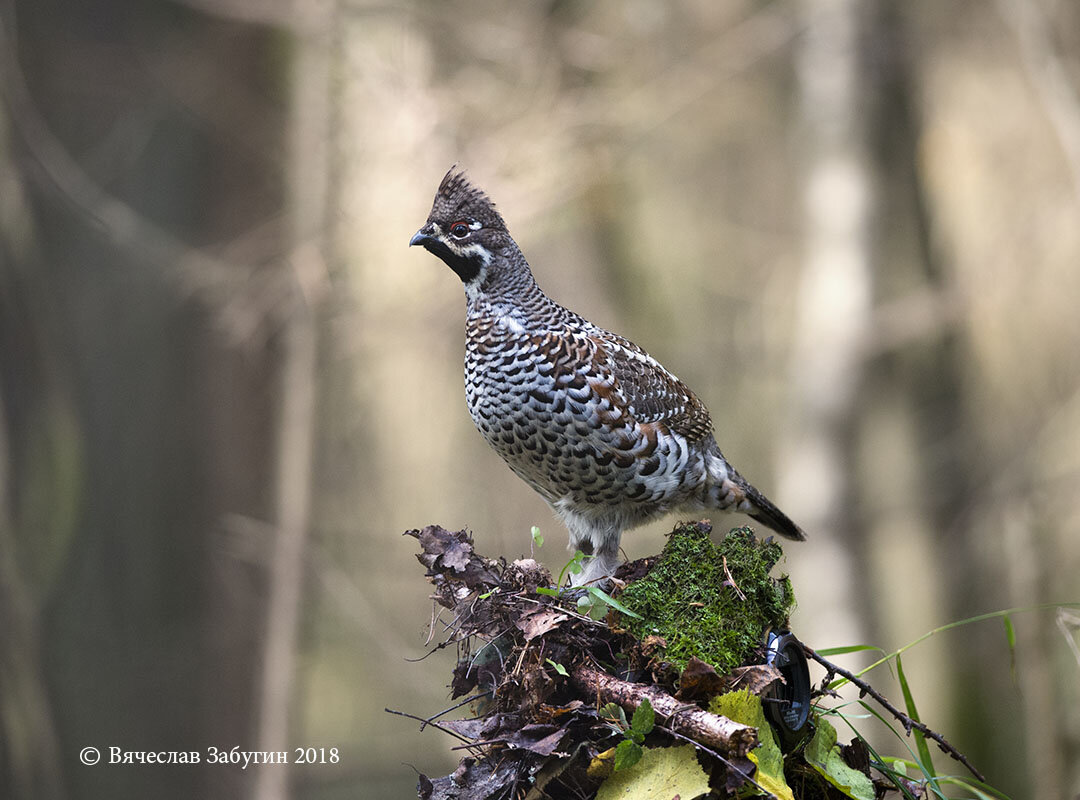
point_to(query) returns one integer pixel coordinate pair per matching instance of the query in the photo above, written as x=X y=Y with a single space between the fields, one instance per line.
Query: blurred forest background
x=227 y=385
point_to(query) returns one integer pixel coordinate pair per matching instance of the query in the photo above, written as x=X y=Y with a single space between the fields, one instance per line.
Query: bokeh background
x=227 y=386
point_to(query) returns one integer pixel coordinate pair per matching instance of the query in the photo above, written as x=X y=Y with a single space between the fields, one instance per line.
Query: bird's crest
x=457 y=198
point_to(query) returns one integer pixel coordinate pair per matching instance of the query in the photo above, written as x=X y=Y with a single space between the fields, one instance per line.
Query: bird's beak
x=420 y=238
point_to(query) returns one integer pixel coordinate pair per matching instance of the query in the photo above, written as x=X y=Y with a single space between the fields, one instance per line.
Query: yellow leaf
x=662 y=773
x=823 y=754
x=744 y=707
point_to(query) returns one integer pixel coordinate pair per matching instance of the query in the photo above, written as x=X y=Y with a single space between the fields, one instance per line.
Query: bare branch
x=118 y=220
x=713 y=730
x=904 y=719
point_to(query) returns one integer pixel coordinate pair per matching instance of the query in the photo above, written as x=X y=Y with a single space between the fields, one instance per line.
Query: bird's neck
x=503 y=285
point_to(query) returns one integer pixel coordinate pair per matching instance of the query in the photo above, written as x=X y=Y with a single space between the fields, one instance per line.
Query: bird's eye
x=459 y=230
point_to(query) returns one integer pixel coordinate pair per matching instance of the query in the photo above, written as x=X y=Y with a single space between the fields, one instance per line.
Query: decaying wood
x=720 y=733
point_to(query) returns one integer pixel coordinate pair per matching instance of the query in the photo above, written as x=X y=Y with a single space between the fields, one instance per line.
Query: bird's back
x=584 y=416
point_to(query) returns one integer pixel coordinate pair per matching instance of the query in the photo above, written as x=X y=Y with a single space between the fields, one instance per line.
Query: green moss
x=688 y=598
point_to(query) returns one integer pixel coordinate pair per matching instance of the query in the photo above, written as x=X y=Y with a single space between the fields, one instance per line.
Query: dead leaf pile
x=549 y=692
x=521 y=653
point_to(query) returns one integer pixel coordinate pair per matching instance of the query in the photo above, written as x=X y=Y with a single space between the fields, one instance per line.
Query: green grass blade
x=959 y=624
x=982 y=791
x=913 y=712
x=855 y=648
x=878 y=763
x=1010 y=637
x=604 y=597
x=931 y=783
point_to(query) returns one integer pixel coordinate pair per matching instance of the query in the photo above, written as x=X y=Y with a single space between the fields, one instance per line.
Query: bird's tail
x=764 y=511
x=732 y=492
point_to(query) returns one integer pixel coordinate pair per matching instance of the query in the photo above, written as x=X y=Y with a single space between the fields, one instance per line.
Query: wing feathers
x=651 y=393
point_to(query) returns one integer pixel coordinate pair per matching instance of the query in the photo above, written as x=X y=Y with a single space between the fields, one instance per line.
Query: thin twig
x=478 y=743
x=433 y=724
x=431 y=720
x=904 y=719
x=731 y=582
x=431 y=627
x=492 y=642
x=517 y=667
x=437 y=648
x=564 y=610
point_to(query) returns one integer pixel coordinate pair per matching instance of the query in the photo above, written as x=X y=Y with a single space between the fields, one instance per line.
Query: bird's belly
x=570 y=447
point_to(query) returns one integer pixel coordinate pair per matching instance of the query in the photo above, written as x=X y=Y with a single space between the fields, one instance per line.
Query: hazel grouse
x=607 y=436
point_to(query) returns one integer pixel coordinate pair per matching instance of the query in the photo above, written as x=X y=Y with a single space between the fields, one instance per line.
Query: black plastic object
x=788 y=706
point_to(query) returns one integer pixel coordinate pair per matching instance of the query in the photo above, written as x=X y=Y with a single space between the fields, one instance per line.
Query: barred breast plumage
x=606 y=435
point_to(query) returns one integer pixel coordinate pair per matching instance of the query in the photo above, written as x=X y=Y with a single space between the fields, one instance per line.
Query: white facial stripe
x=475 y=250
x=472 y=288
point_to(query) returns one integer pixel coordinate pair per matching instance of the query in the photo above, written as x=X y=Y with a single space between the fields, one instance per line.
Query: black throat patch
x=466 y=267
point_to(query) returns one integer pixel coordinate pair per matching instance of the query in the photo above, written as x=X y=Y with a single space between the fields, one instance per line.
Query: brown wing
x=652 y=394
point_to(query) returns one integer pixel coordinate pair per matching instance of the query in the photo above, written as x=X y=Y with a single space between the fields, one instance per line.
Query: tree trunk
x=832 y=315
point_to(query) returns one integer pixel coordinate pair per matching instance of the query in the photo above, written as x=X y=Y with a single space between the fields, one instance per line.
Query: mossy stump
x=713 y=602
